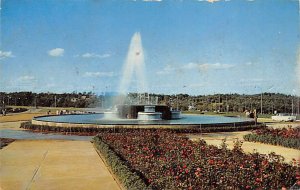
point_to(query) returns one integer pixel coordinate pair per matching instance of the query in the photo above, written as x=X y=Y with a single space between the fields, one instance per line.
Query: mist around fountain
x=133 y=75
x=139 y=107
x=133 y=69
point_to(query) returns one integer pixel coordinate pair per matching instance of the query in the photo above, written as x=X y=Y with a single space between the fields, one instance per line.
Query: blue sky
x=194 y=47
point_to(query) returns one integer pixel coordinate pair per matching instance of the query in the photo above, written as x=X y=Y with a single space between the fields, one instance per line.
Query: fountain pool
x=100 y=119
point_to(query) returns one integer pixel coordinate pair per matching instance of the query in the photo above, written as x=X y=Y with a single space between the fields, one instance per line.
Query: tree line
x=266 y=103
x=78 y=100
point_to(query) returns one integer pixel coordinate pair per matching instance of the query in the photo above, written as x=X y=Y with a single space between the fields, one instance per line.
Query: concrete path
x=53 y=164
x=13 y=125
x=248 y=147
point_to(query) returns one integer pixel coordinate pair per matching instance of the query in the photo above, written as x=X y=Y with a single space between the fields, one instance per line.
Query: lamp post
x=261 y=104
x=8 y=97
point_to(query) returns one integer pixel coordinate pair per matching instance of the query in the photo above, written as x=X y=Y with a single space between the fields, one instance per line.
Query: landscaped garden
x=167 y=160
x=287 y=137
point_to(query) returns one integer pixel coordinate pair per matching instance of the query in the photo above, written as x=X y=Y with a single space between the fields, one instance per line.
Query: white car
x=284 y=117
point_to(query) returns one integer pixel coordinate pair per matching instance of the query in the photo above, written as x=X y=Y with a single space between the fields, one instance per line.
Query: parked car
x=284 y=117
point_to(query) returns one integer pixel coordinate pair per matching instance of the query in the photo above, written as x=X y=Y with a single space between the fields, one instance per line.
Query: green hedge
x=95 y=130
x=128 y=178
x=274 y=140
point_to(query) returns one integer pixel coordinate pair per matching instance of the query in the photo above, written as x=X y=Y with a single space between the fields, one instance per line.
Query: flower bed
x=168 y=161
x=289 y=137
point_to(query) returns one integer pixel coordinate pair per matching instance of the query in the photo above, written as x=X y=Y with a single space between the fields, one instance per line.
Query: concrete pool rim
x=35 y=121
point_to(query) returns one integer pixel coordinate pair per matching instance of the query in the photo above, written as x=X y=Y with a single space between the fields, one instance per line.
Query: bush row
x=288 y=132
x=128 y=178
x=95 y=130
x=274 y=140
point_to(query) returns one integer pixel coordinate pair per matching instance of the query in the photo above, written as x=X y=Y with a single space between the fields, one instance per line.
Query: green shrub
x=274 y=140
x=128 y=178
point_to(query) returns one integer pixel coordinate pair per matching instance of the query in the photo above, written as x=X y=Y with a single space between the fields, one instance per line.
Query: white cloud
x=249 y=63
x=94 y=55
x=57 y=52
x=206 y=66
x=26 y=78
x=98 y=74
x=167 y=70
x=5 y=54
x=212 y=1
x=152 y=0
x=192 y=66
x=209 y=1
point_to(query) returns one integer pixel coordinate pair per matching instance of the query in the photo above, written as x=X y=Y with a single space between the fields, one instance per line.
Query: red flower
x=211 y=162
x=258 y=180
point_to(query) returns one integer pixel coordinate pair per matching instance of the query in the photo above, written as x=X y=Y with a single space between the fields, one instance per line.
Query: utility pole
x=298 y=105
x=226 y=104
x=219 y=103
x=55 y=101
x=261 y=106
x=177 y=102
x=35 y=101
x=292 y=105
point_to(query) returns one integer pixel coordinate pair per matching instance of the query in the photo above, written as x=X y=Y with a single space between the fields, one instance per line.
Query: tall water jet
x=134 y=67
x=134 y=76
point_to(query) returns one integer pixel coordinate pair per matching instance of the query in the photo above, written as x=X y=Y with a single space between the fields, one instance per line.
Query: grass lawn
x=33 y=112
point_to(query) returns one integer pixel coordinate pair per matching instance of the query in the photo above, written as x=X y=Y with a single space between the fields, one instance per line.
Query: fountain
x=134 y=66
x=149 y=113
x=135 y=114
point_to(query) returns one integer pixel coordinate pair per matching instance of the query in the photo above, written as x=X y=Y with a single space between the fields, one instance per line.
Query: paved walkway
x=248 y=147
x=53 y=164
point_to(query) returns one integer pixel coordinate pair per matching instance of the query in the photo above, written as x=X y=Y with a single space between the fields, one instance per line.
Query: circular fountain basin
x=176 y=114
x=149 y=116
x=98 y=120
x=111 y=115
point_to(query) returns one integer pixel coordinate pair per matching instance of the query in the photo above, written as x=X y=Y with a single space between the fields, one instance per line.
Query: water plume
x=134 y=67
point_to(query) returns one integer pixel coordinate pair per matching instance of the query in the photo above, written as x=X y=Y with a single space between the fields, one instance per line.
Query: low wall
x=140 y=126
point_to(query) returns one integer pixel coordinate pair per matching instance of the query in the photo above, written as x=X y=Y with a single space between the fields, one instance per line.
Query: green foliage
x=95 y=130
x=222 y=102
x=274 y=140
x=79 y=100
x=128 y=178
